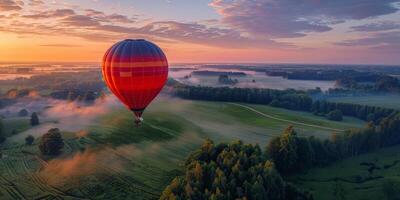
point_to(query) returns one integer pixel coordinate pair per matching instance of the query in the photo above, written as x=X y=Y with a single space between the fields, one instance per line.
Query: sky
x=204 y=31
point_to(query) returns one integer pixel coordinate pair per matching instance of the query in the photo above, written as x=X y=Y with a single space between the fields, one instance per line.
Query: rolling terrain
x=112 y=159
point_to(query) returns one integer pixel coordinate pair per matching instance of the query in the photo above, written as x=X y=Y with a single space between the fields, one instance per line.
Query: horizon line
x=206 y=63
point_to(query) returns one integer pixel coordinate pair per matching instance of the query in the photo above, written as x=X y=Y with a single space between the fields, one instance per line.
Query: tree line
x=293 y=154
x=382 y=83
x=363 y=112
x=311 y=74
x=288 y=99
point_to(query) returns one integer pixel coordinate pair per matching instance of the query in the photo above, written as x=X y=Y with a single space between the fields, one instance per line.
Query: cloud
x=288 y=18
x=383 y=41
x=119 y=18
x=244 y=23
x=378 y=26
x=97 y=26
x=60 y=45
x=36 y=3
x=80 y=21
x=202 y=34
x=114 y=18
x=51 y=14
x=11 y=5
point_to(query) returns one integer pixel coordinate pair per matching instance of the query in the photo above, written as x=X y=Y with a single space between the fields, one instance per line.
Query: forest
x=231 y=171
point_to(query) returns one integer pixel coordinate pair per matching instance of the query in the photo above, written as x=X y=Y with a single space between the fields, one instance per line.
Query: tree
x=29 y=140
x=51 y=142
x=335 y=115
x=34 y=119
x=23 y=113
x=283 y=151
x=2 y=136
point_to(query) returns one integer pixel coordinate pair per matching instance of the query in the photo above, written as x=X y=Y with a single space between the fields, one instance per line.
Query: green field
x=18 y=125
x=119 y=161
x=355 y=178
x=387 y=101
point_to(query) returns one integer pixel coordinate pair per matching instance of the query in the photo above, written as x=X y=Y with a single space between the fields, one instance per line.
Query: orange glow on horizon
x=28 y=48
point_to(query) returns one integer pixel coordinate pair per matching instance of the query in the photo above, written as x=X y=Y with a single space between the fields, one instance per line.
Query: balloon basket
x=138 y=121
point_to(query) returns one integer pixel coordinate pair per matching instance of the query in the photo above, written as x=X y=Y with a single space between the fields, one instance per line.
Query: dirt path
x=285 y=120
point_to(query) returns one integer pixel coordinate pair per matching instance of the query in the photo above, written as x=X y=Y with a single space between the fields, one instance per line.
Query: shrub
x=34 y=119
x=51 y=142
x=29 y=140
x=335 y=115
x=23 y=113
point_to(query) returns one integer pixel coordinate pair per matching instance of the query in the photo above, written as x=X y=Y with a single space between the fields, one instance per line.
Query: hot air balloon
x=135 y=71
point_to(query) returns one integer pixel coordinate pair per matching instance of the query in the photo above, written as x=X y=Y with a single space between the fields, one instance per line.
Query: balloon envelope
x=135 y=71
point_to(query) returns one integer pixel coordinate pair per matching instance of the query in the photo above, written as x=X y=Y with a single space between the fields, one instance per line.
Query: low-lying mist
x=252 y=79
x=123 y=159
x=67 y=116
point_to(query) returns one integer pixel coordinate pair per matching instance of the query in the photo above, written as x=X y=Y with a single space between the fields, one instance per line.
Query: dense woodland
x=289 y=99
x=240 y=171
x=231 y=171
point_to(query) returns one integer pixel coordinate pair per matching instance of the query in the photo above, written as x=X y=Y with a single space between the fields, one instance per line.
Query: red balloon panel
x=135 y=71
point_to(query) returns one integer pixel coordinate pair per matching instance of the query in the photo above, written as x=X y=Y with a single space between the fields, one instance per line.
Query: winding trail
x=285 y=120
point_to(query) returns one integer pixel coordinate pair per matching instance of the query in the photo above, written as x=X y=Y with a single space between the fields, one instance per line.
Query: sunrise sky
x=229 y=31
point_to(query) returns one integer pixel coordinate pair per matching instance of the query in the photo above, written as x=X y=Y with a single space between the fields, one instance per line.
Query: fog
x=31 y=104
x=60 y=171
x=67 y=116
x=117 y=160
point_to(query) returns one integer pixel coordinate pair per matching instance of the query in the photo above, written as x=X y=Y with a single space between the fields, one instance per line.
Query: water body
x=261 y=80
